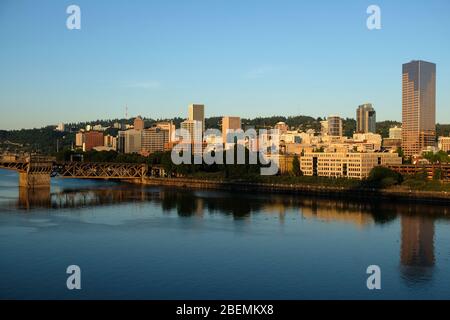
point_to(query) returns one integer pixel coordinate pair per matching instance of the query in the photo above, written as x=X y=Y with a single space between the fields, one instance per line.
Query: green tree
x=349 y=127
x=382 y=177
x=296 y=167
x=437 y=174
x=438 y=157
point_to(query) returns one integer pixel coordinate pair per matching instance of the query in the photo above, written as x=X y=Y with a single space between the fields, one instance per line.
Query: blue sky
x=244 y=58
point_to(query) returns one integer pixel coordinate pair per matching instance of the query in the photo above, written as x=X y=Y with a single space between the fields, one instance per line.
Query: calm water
x=155 y=243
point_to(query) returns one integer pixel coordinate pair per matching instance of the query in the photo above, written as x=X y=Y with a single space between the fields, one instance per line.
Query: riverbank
x=397 y=193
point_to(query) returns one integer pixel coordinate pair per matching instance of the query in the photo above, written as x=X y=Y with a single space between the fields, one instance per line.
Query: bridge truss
x=84 y=170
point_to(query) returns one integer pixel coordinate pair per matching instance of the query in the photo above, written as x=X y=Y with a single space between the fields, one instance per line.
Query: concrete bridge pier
x=34 y=180
x=39 y=197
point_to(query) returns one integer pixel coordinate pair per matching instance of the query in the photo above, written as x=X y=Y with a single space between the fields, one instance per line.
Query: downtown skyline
x=230 y=61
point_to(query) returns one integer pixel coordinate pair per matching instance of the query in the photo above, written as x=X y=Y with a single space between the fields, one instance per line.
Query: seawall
x=392 y=194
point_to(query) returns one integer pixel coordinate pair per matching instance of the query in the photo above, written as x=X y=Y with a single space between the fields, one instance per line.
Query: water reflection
x=240 y=205
x=37 y=198
x=417 y=257
x=417 y=249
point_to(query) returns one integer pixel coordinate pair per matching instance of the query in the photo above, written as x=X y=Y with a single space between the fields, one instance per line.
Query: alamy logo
x=74 y=280
x=195 y=148
x=374 y=20
x=73 y=21
x=374 y=280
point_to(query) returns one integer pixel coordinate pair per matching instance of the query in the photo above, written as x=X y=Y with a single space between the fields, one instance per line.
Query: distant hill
x=384 y=126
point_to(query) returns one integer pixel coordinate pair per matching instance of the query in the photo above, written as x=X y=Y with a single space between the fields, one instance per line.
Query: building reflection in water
x=338 y=211
x=417 y=256
x=417 y=249
x=32 y=198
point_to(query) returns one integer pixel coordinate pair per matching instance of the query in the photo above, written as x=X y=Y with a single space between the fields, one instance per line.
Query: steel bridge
x=27 y=164
x=35 y=171
x=87 y=170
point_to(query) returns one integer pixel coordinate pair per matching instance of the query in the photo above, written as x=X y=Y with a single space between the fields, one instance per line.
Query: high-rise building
x=230 y=124
x=121 y=142
x=129 y=141
x=366 y=119
x=197 y=113
x=153 y=140
x=334 y=126
x=418 y=106
x=138 y=123
x=417 y=256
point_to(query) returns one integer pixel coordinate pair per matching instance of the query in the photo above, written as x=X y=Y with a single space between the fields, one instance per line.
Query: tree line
x=47 y=141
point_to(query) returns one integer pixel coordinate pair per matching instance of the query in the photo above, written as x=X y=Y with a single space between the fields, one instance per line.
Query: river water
x=134 y=242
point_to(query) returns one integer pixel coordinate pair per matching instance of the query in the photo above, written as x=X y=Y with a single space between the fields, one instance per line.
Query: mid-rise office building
x=153 y=140
x=418 y=107
x=364 y=142
x=444 y=144
x=324 y=127
x=356 y=165
x=394 y=142
x=395 y=133
x=110 y=142
x=92 y=139
x=366 y=119
x=129 y=141
x=392 y=145
x=194 y=129
x=170 y=127
x=334 y=126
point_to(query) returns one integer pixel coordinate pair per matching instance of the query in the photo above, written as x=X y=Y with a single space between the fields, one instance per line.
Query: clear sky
x=244 y=58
